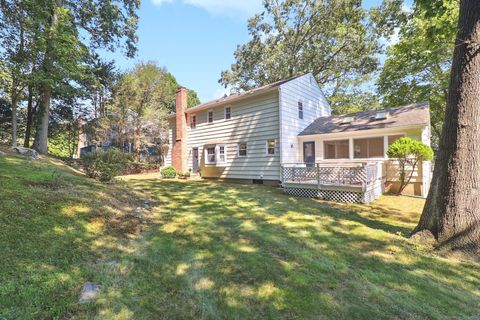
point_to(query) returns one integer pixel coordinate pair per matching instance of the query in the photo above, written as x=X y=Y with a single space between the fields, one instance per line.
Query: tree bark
x=28 y=129
x=14 y=115
x=43 y=114
x=452 y=209
x=41 y=137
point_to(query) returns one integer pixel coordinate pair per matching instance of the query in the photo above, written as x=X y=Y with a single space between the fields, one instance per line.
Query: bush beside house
x=168 y=172
x=409 y=154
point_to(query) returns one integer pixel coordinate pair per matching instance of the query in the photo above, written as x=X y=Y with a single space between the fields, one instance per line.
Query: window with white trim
x=193 y=121
x=210 y=155
x=271 y=147
x=300 y=110
x=242 y=149
x=228 y=113
x=221 y=154
x=216 y=154
x=210 y=116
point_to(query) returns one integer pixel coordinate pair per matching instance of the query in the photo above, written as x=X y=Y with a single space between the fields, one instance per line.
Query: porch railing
x=330 y=174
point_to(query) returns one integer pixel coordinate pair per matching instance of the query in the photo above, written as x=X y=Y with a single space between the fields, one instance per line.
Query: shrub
x=168 y=172
x=184 y=175
x=409 y=153
x=105 y=165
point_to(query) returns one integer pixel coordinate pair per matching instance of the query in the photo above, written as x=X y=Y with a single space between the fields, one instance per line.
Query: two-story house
x=284 y=133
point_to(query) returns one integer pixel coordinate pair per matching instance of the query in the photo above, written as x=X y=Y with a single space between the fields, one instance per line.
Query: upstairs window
x=242 y=149
x=271 y=147
x=210 y=116
x=228 y=113
x=193 y=121
x=300 y=110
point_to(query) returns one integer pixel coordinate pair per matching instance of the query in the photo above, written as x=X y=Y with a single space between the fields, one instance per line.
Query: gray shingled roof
x=404 y=116
x=238 y=96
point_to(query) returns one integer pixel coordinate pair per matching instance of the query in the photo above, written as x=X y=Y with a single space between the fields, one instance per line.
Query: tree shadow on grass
x=239 y=251
x=54 y=239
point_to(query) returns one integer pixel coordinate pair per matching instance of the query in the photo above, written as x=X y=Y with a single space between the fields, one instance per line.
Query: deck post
x=318 y=176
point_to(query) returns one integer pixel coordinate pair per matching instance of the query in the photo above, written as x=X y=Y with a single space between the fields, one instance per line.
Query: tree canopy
x=417 y=67
x=337 y=40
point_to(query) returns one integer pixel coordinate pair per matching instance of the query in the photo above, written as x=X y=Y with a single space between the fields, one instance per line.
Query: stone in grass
x=32 y=154
x=89 y=292
x=112 y=263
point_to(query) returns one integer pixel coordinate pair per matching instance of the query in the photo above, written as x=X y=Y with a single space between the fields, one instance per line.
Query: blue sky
x=193 y=39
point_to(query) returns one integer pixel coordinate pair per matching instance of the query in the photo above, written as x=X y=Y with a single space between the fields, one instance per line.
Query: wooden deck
x=356 y=182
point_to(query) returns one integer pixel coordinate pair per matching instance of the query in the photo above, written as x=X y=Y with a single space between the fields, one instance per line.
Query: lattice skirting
x=332 y=195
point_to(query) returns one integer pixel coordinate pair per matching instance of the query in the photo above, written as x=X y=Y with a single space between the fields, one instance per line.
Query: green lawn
x=214 y=250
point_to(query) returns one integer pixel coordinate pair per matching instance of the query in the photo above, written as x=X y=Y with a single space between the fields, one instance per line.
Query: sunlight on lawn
x=215 y=250
x=256 y=251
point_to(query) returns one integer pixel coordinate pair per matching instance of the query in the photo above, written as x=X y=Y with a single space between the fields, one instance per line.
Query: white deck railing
x=352 y=174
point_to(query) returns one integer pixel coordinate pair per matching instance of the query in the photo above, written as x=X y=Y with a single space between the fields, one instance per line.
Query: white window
x=216 y=154
x=300 y=110
x=221 y=153
x=210 y=116
x=210 y=155
x=271 y=147
x=228 y=113
x=193 y=121
x=242 y=149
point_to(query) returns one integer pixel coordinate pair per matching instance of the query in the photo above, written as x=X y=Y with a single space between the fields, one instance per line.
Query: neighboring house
x=284 y=133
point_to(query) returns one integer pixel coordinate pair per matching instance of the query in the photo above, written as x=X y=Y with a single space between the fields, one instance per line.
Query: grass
x=214 y=251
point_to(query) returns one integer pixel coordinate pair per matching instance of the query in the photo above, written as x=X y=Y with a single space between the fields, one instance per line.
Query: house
x=284 y=133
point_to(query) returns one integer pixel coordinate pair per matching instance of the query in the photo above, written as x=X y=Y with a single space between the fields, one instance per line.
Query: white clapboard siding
x=253 y=121
x=168 y=156
x=306 y=90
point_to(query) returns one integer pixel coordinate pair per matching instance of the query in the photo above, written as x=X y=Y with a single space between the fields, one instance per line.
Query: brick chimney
x=179 y=153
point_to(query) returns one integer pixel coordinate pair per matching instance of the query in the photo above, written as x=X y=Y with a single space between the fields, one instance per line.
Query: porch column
x=350 y=148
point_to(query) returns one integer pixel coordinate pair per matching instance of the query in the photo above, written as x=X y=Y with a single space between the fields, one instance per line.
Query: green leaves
x=409 y=153
x=406 y=148
x=417 y=67
x=337 y=40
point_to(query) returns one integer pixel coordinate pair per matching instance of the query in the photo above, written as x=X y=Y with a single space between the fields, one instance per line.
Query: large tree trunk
x=136 y=140
x=30 y=110
x=41 y=137
x=452 y=210
x=14 y=116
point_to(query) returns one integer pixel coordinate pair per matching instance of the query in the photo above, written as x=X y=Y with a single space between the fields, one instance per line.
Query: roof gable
x=410 y=115
x=239 y=96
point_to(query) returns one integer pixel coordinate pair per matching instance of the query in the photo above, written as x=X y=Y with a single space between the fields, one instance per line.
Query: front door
x=195 y=159
x=309 y=153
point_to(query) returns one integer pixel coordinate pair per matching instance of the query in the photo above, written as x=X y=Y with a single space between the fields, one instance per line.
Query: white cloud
x=248 y=7
x=160 y=2
x=228 y=7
